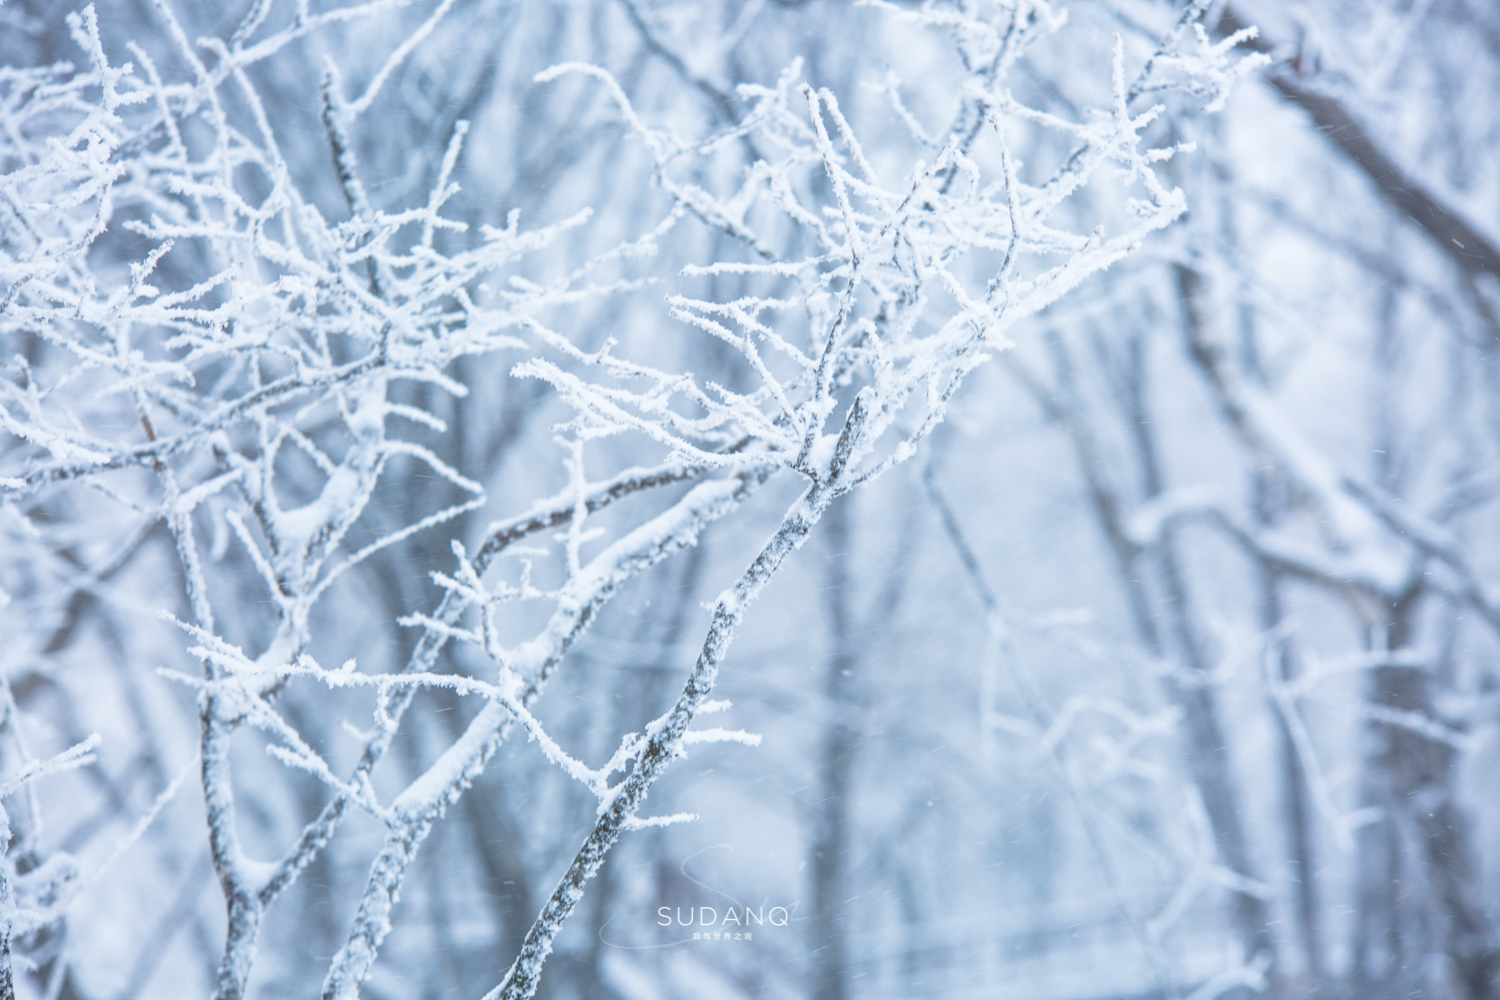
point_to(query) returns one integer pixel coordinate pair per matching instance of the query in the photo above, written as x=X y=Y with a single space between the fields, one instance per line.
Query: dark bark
x=1418 y=875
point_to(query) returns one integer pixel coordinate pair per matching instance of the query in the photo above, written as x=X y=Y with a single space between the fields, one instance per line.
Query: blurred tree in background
x=351 y=334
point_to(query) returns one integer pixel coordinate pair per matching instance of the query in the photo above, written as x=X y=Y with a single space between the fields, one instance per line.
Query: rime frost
x=267 y=362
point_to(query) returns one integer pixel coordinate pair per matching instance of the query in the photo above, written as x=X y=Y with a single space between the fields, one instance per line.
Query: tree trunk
x=1417 y=872
x=830 y=846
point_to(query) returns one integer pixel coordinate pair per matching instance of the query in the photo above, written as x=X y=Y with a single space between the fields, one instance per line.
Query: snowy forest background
x=1144 y=638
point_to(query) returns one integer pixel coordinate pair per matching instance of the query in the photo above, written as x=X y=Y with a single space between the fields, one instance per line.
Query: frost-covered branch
x=263 y=366
x=876 y=363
